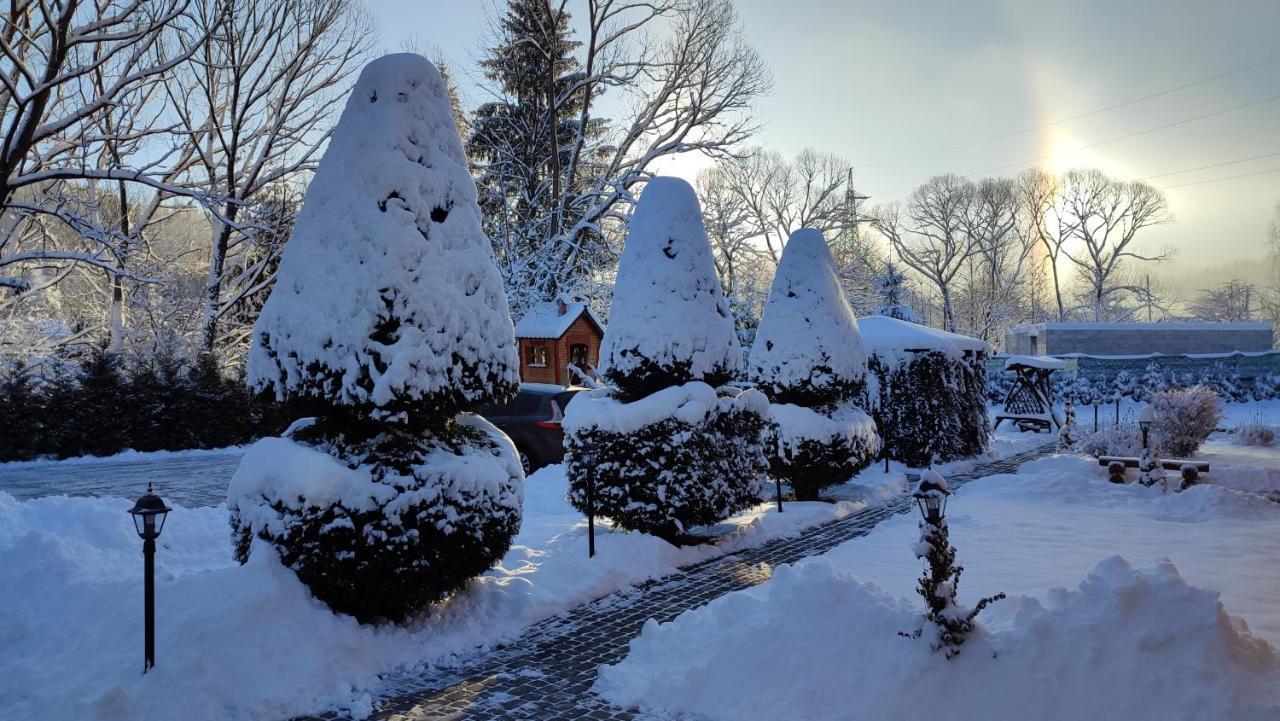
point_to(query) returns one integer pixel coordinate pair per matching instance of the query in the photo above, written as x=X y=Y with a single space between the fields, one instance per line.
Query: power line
x=1015 y=133
x=1116 y=139
x=1216 y=180
x=1206 y=167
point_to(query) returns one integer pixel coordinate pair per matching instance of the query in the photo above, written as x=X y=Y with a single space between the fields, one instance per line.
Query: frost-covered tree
x=808 y=359
x=388 y=320
x=663 y=449
x=1069 y=433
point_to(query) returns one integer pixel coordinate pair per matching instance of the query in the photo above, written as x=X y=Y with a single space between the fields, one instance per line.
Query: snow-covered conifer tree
x=388 y=319
x=892 y=286
x=663 y=449
x=1068 y=434
x=808 y=359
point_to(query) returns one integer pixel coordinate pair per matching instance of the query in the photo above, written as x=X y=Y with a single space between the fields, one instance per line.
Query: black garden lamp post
x=931 y=495
x=1146 y=417
x=149 y=513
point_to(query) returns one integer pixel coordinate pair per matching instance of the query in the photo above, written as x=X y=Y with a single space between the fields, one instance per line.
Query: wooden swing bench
x=1029 y=404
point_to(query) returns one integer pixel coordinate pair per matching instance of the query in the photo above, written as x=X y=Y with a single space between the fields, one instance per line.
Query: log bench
x=1189 y=469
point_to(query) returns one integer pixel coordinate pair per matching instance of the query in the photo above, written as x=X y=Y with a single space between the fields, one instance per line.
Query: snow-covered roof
x=1165 y=326
x=546 y=321
x=883 y=334
x=1035 y=361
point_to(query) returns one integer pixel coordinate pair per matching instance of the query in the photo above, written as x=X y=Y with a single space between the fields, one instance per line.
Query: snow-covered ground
x=239 y=642
x=1113 y=612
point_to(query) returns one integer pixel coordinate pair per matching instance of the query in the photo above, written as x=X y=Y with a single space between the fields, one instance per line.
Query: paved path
x=547 y=672
x=187 y=478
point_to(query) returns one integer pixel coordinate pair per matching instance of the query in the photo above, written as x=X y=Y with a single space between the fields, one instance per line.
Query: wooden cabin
x=553 y=336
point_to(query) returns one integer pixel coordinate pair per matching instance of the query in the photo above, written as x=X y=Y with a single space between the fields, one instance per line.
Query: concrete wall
x=1140 y=341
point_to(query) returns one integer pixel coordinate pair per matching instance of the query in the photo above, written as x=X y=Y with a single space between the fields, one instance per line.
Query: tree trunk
x=213 y=288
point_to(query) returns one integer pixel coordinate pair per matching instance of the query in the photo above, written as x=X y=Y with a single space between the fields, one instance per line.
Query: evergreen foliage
x=388 y=321
x=930 y=407
x=1069 y=434
x=661 y=450
x=939 y=585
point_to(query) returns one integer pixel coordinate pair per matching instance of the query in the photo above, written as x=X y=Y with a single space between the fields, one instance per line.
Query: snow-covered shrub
x=1184 y=419
x=662 y=450
x=1069 y=433
x=929 y=406
x=1254 y=434
x=1150 y=469
x=951 y=622
x=808 y=359
x=388 y=318
x=681 y=457
x=1122 y=440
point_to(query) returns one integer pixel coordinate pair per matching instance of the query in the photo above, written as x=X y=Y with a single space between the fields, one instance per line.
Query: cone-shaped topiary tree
x=662 y=449
x=670 y=322
x=808 y=360
x=388 y=319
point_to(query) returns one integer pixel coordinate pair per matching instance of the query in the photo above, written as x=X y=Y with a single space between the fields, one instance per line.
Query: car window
x=526 y=404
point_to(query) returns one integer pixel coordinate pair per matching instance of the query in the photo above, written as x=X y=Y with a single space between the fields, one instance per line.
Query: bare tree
x=729 y=227
x=64 y=68
x=932 y=234
x=1003 y=250
x=255 y=104
x=1105 y=216
x=1231 y=302
x=1040 y=211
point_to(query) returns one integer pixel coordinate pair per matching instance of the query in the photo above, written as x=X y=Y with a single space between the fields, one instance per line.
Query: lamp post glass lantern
x=931 y=495
x=149 y=513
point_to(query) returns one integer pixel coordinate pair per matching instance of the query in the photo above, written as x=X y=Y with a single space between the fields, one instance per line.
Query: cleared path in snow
x=548 y=671
x=187 y=478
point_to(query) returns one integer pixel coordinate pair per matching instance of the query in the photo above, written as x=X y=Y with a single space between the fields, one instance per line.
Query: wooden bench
x=1189 y=469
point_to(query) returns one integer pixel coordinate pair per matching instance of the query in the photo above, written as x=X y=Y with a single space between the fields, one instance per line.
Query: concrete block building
x=1126 y=339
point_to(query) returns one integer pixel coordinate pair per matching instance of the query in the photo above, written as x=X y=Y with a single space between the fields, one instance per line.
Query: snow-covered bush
x=808 y=359
x=662 y=450
x=930 y=404
x=1150 y=469
x=1184 y=419
x=387 y=320
x=1254 y=434
x=1069 y=433
x=1122 y=440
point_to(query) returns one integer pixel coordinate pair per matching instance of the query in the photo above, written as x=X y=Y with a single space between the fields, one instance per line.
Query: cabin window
x=538 y=355
x=578 y=355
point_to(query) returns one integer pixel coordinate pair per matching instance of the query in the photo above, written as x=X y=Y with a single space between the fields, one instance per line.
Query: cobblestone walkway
x=547 y=672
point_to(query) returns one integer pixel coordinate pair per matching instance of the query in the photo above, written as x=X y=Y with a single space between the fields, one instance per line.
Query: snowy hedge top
x=668 y=307
x=692 y=403
x=885 y=336
x=808 y=335
x=387 y=293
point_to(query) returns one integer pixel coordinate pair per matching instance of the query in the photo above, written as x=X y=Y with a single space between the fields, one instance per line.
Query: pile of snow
x=358 y=314
x=808 y=336
x=1123 y=644
x=668 y=307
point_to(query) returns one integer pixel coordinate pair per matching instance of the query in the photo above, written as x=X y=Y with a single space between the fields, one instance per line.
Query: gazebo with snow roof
x=1030 y=402
x=559 y=343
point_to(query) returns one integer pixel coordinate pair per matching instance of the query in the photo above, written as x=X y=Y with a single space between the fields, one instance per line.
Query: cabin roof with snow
x=552 y=320
x=882 y=334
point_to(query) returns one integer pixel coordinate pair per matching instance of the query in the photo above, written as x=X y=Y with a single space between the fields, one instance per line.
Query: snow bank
x=818 y=643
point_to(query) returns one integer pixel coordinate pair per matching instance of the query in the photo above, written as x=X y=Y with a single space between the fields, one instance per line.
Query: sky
x=887 y=84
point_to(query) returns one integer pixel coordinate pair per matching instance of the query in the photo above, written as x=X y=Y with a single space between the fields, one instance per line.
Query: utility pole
x=1148 y=297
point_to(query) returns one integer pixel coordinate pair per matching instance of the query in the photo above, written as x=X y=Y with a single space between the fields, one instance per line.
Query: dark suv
x=532 y=420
